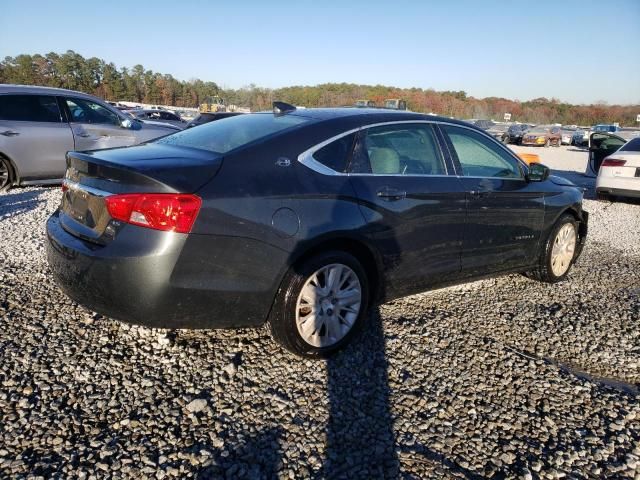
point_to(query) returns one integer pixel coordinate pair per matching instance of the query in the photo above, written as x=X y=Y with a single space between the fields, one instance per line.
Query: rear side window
x=400 y=149
x=335 y=155
x=631 y=146
x=29 y=108
x=480 y=156
x=227 y=134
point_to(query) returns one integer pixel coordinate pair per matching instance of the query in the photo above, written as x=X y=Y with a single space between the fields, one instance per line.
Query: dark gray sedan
x=304 y=218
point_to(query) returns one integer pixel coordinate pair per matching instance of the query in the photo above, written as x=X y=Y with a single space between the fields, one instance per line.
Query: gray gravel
x=504 y=378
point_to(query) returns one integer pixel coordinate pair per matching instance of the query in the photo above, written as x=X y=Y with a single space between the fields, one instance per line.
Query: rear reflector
x=160 y=211
x=612 y=162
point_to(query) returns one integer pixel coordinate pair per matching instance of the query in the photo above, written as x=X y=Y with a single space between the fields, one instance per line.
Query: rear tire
x=6 y=174
x=303 y=323
x=558 y=252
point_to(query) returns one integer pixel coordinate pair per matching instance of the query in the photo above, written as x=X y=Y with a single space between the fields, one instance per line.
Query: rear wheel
x=558 y=251
x=6 y=174
x=321 y=305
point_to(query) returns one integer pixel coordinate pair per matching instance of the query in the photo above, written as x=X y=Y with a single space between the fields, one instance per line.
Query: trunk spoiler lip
x=176 y=178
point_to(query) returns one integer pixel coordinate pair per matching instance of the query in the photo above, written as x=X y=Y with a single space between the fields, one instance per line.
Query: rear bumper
x=162 y=279
x=617 y=185
x=621 y=192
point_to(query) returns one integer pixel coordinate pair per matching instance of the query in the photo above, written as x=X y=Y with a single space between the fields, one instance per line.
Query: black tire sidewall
x=547 y=271
x=7 y=164
x=283 y=315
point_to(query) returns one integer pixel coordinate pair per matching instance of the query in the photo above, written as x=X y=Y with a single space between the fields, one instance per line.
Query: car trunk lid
x=151 y=168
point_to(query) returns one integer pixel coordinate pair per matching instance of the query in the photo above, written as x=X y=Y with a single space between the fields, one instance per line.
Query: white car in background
x=619 y=171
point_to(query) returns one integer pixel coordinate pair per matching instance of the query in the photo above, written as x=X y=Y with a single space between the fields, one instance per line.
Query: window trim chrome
x=306 y=157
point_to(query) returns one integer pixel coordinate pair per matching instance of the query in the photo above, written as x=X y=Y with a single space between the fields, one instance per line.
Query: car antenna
x=282 y=108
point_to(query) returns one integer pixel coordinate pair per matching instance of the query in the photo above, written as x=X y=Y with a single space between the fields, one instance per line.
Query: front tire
x=321 y=305
x=559 y=251
x=6 y=174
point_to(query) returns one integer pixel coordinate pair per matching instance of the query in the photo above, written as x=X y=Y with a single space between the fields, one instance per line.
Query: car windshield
x=540 y=129
x=227 y=134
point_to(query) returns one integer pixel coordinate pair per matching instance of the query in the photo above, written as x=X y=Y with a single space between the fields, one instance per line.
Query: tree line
x=93 y=75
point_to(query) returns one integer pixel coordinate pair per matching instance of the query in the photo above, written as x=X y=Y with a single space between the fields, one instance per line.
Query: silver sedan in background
x=39 y=125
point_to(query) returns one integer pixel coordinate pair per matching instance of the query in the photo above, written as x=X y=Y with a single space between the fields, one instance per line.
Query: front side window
x=230 y=133
x=335 y=155
x=86 y=111
x=479 y=156
x=29 y=108
x=400 y=149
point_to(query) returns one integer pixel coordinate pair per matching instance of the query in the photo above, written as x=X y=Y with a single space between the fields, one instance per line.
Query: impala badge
x=283 y=162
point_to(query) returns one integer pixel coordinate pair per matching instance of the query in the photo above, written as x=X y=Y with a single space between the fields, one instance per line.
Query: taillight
x=160 y=211
x=612 y=162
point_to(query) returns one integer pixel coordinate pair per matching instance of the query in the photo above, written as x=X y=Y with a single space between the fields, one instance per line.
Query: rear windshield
x=227 y=134
x=631 y=146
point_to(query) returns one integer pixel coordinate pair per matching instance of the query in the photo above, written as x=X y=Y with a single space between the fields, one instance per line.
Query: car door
x=33 y=135
x=414 y=208
x=601 y=145
x=505 y=212
x=95 y=126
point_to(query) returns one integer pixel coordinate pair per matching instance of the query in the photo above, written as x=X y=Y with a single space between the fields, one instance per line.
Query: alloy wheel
x=328 y=305
x=564 y=247
x=4 y=175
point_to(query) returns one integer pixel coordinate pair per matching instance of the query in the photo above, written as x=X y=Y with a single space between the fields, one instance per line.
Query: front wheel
x=558 y=251
x=6 y=174
x=321 y=305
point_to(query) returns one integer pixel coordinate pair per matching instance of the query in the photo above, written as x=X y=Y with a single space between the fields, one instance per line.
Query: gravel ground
x=504 y=378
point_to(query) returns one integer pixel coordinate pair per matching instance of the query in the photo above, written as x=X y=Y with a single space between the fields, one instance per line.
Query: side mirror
x=131 y=124
x=538 y=172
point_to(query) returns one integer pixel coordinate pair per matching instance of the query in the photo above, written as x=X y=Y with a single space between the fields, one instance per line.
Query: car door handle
x=9 y=133
x=391 y=194
x=480 y=194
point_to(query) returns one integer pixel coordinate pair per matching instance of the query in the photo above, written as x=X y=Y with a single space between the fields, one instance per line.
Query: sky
x=579 y=51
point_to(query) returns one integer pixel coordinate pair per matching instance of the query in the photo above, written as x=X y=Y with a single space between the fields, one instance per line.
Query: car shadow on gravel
x=360 y=438
x=12 y=204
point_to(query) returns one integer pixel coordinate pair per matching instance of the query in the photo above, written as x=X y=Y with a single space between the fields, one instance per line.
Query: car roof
x=32 y=89
x=372 y=115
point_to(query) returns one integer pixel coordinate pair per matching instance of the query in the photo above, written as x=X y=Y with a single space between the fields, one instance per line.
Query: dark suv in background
x=515 y=133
